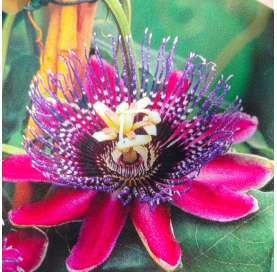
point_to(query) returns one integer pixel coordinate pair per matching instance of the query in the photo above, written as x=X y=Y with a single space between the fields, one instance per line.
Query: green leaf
x=241 y=148
x=15 y=94
x=7 y=29
x=242 y=246
x=259 y=143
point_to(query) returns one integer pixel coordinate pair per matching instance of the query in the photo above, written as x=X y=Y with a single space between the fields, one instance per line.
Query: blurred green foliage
x=208 y=27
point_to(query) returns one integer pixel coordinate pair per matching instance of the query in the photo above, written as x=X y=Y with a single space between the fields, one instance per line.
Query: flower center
x=123 y=126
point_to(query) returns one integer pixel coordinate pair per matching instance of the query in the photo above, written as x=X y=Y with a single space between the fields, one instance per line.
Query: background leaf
x=259 y=143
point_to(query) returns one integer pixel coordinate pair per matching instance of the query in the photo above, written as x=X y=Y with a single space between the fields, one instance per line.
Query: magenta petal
x=154 y=227
x=173 y=80
x=238 y=172
x=19 y=168
x=62 y=206
x=100 y=230
x=23 y=249
x=247 y=126
x=215 y=202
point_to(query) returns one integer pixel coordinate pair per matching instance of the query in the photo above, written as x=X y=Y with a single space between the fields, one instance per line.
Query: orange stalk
x=22 y=194
x=69 y=28
x=86 y=17
x=50 y=53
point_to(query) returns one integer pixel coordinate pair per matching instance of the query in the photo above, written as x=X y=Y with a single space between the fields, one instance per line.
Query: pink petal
x=154 y=227
x=238 y=172
x=25 y=249
x=62 y=206
x=247 y=126
x=100 y=230
x=19 y=168
x=215 y=202
x=244 y=128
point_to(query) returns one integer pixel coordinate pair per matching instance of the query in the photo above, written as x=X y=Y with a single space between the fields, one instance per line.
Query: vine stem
x=124 y=28
x=7 y=29
x=126 y=5
x=252 y=31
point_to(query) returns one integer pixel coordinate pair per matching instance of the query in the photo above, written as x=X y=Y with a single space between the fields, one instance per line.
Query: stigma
x=123 y=125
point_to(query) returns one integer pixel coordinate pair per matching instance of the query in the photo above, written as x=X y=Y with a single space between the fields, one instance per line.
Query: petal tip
x=270 y=174
x=10 y=218
x=247 y=127
x=70 y=268
x=14 y=222
x=169 y=267
x=44 y=250
x=161 y=262
x=255 y=207
x=268 y=167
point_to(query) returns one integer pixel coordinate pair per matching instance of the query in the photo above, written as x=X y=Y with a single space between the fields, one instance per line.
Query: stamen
x=106 y=134
x=106 y=114
x=121 y=123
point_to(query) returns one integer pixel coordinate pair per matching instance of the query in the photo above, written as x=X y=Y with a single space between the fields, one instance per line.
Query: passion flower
x=114 y=148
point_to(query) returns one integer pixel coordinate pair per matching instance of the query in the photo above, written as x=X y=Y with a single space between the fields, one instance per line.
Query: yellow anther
x=143 y=152
x=154 y=117
x=143 y=103
x=122 y=107
x=131 y=135
x=128 y=124
x=151 y=130
x=121 y=127
x=107 y=115
x=105 y=135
